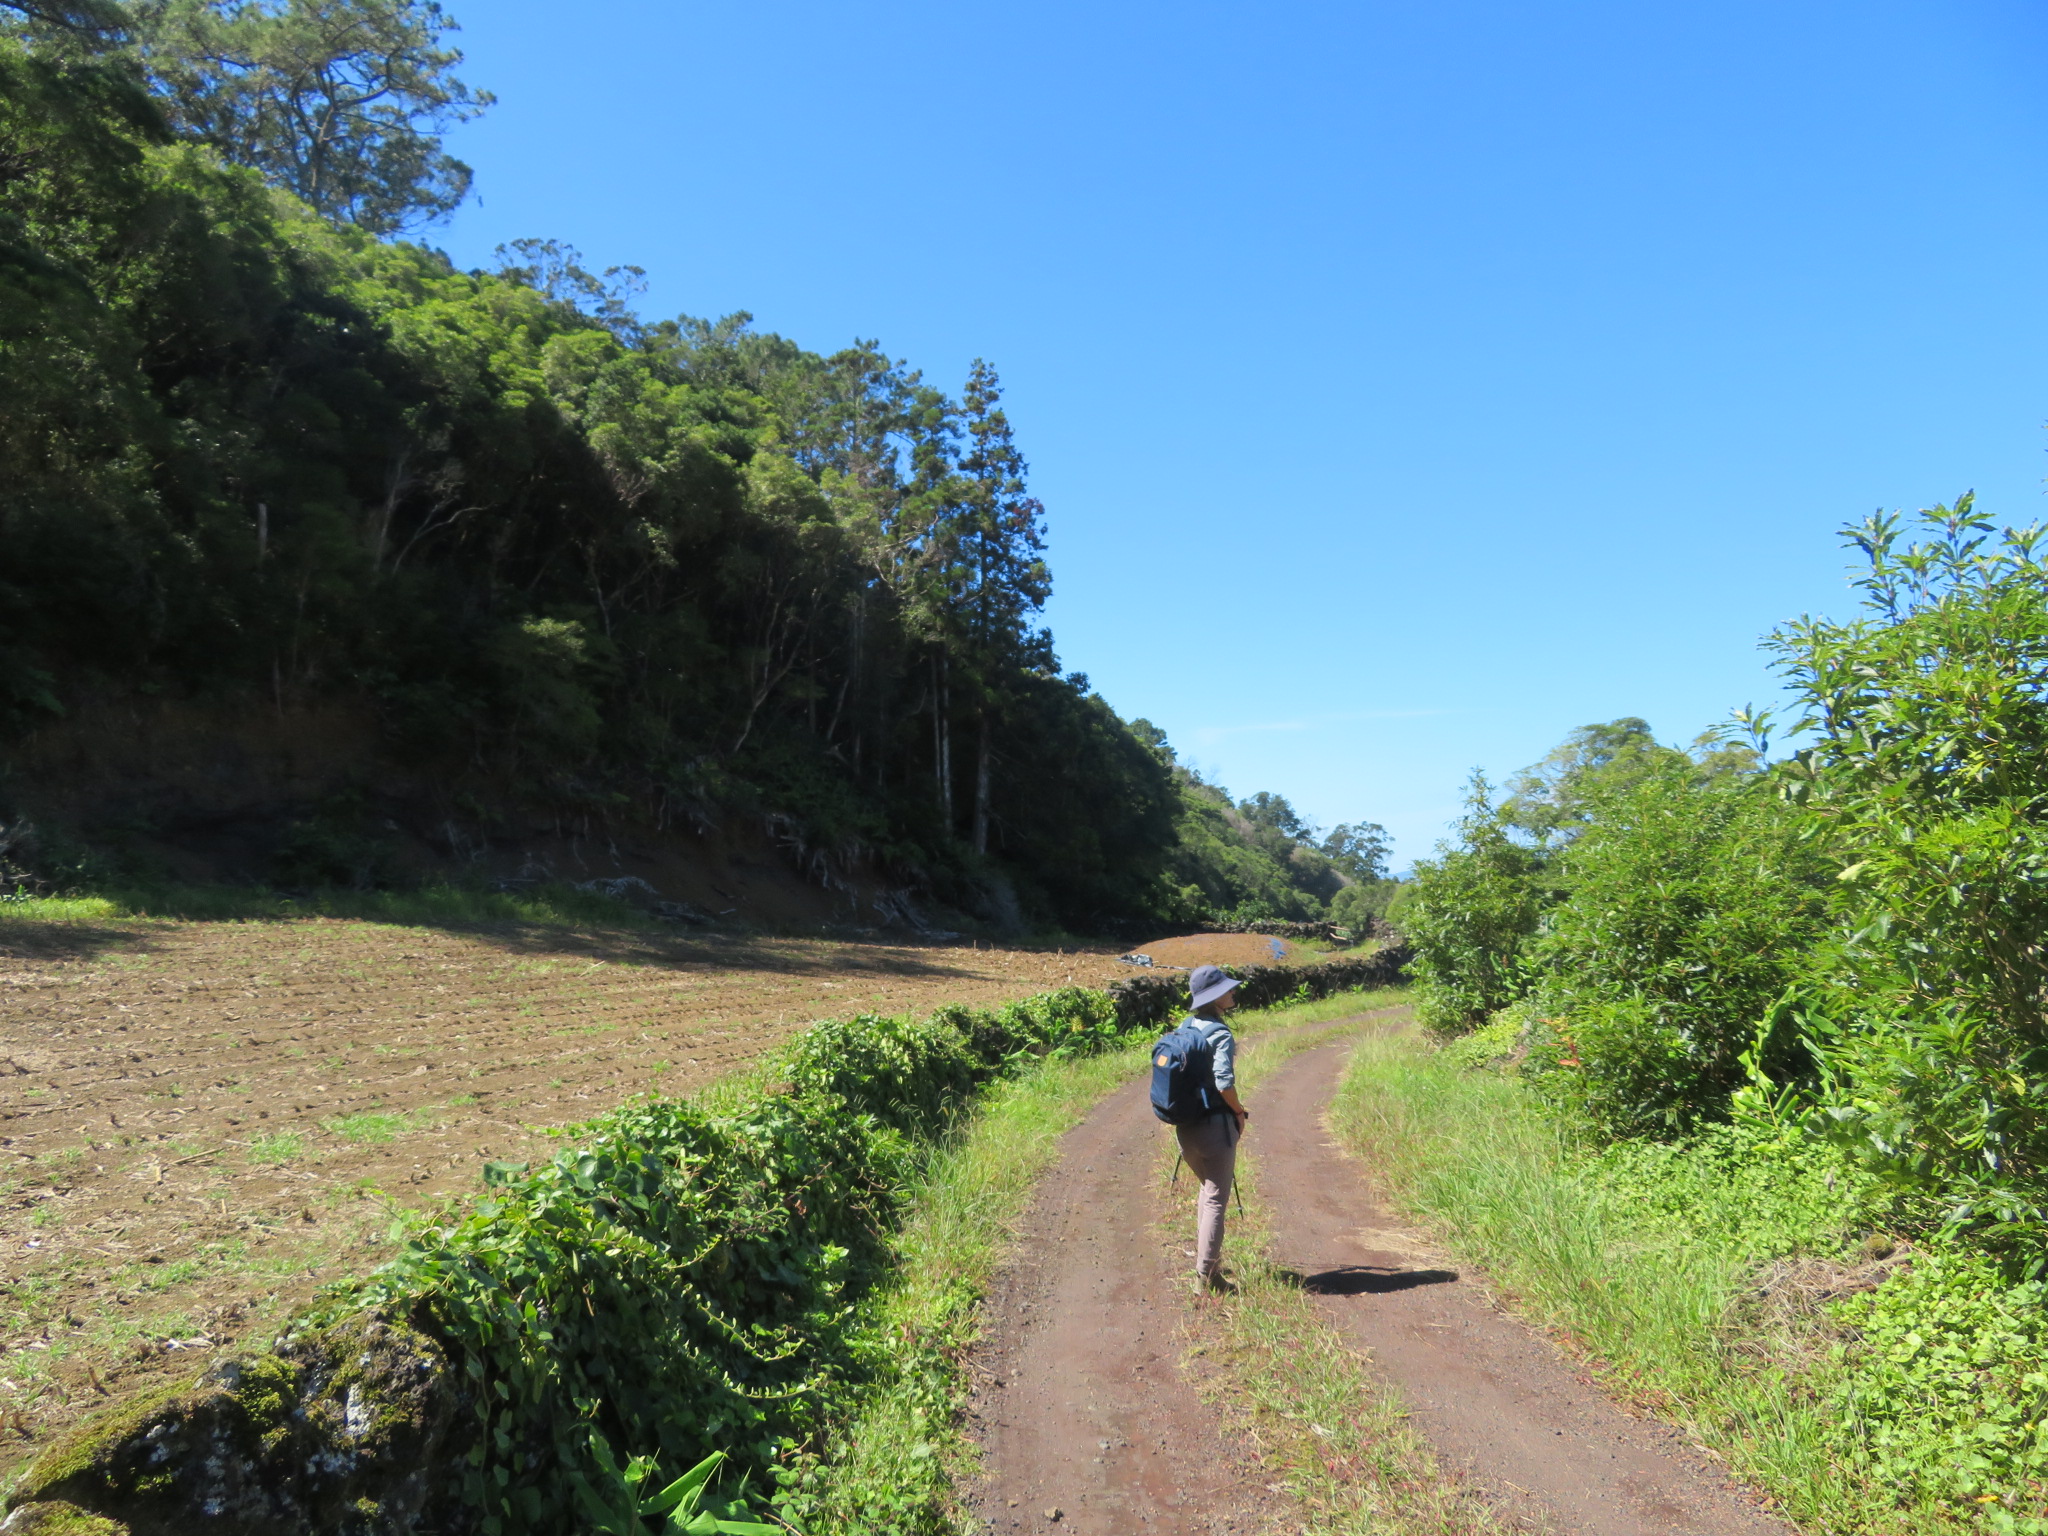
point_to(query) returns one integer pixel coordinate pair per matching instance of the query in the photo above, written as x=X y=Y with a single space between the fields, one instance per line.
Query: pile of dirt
x=1190 y=950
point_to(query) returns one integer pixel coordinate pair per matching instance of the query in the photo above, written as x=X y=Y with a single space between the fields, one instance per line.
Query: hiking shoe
x=1215 y=1283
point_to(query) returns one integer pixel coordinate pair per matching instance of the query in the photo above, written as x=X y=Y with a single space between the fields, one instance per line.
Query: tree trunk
x=981 y=765
x=938 y=748
x=944 y=706
x=397 y=481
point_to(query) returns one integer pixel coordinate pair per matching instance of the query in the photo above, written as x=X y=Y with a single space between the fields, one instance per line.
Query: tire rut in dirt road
x=1079 y=1405
x=1495 y=1401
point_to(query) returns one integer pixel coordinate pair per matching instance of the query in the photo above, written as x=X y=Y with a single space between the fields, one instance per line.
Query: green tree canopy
x=1359 y=851
x=343 y=102
x=1549 y=800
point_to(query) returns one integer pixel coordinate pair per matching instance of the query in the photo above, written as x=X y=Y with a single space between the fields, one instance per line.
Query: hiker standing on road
x=1215 y=1122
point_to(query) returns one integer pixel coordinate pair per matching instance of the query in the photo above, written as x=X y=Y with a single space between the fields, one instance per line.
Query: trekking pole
x=1174 y=1182
x=1236 y=1188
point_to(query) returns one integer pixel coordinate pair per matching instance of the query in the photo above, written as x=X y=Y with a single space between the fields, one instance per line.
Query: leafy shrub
x=908 y=1074
x=1491 y=1041
x=1469 y=913
x=1071 y=1021
x=1946 y=1390
x=1759 y=1191
x=675 y=1286
x=1930 y=765
x=1692 y=900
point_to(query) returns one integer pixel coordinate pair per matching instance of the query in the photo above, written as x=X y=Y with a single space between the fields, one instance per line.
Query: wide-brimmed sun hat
x=1207 y=983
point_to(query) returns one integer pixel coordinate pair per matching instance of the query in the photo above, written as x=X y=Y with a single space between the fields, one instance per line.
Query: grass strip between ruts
x=1472 y=1157
x=895 y=1466
x=1328 y=1432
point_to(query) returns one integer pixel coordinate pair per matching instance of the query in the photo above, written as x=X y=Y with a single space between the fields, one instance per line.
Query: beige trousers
x=1210 y=1149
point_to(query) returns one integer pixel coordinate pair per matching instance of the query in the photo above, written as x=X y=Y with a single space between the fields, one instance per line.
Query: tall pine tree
x=1005 y=580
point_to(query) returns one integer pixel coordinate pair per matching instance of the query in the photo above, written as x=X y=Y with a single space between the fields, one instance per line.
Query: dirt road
x=1086 y=1414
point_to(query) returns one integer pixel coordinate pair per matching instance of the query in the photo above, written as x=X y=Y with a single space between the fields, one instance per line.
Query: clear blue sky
x=1406 y=384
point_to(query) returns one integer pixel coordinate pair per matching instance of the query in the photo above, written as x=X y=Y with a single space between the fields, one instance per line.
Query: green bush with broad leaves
x=1849 y=937
x=1492 y=1042
x=1470 y=913
x=679 y=1283
x=1074 y=1021
x=687 y=1502
x=1692 y=898
x=1780 y=1003
x=1929 y=769
x=1948 y=1386
x=1754 y=1190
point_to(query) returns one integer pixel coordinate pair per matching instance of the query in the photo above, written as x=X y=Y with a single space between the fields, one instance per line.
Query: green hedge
x=685 y=1281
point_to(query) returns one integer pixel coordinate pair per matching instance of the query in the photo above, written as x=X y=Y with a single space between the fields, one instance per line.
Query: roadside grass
x=1305 y=1403
x=1255 y=1024
x=1649 y=1298
x=895 y=1462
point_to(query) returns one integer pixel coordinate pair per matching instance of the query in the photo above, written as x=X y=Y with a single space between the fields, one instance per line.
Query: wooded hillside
x=255 y=453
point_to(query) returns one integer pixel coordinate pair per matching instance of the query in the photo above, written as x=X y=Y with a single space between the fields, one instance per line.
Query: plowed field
x=201 y=1123
x=1191 y=950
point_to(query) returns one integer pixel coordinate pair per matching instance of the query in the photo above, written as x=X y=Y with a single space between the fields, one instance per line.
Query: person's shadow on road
x=1364 y=1279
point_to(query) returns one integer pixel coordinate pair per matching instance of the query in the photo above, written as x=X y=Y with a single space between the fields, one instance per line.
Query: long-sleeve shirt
x=1222 y=1050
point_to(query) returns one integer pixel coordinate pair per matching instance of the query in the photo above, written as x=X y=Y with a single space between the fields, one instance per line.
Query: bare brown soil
x=1195 y=949
x=202 y=1123
x=1085 y=1411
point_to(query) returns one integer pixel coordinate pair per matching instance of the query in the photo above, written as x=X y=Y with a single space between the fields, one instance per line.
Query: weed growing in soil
x=282 y=1147
x=373 y=1125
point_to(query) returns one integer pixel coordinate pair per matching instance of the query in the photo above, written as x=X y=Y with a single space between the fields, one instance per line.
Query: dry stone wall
x=1149 y=1000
